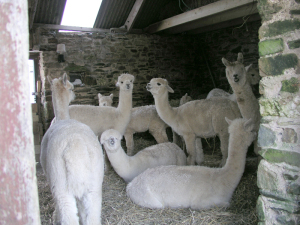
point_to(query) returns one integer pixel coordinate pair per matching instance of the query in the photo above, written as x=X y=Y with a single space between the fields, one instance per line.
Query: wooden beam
x=71 y=28
x=235 y=22
x=136 y=9
x=32 y=13
x=195 y=15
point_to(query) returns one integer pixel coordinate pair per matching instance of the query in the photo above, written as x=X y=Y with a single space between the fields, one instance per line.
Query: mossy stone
x=260 y=209
x=278 y=156
x=295 y=12
x=266 y=137
x=294 y=44
x=270 y=47
x=291 y=85
x=266 y=9
x=278 y=28
x=75 y=68
x=276 y=65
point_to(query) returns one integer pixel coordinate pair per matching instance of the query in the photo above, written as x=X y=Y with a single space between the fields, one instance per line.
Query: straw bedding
x=118 y=209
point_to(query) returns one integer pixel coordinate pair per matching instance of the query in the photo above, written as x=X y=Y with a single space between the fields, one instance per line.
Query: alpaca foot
x=190 y=160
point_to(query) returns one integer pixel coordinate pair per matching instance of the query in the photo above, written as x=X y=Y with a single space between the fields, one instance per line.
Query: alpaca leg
x=224 y=148
x=199 y=151
x=90 y=208
x=190 y=148
x=65 y=210
x=160 y=136
x=129 y=142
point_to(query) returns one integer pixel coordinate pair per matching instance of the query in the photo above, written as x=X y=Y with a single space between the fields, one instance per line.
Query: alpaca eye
x=121 y=82
x=158 y=84
x=131 y=81
x=252 y=75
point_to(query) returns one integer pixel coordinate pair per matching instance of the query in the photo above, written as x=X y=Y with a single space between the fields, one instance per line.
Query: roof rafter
x=136 y=9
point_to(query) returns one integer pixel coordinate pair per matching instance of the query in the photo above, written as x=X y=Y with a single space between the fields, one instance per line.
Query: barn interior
x=183 y=42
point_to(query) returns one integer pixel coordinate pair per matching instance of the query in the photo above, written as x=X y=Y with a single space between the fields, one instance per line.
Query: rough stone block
x=270 y=46
x=289 y=135
x=294 y=44
x=267 y=9
x=291 y=85
x=278 y=156
x=278 y=28
x=276 y=65
x=266 y=137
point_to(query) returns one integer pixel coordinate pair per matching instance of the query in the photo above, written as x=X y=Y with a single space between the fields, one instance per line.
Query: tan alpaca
x=128 y=167
x=72 y=160
x=100 y=119
x=143 y=118
x=195 y=187
x=201 y=118
x=105 y=100
x=252 y=77
x=241 y=86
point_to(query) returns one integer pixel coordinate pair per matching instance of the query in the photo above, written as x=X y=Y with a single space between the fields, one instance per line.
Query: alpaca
x=100 y=119
x=197 y=187
x=128 y=167
x=143 y=118
x=252 y=76
x=105 y=100
x=200 y=118
x=72 y=161
x=241 y=86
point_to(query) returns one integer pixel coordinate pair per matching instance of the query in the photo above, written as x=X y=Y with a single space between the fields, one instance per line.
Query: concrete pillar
x=278 y=175
x=18 y=186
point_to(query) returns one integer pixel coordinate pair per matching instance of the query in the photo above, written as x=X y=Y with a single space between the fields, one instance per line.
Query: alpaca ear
x=49 y=78
x=111 y=96
x=170 y=89
x=99 y=95
x=248 y=67
x=228 y=120
x=185 y=95
x=240 y=57
x=226 y=62
x=248 y=124
x=65 y=78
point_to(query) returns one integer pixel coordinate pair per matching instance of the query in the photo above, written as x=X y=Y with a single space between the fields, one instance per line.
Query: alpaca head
x=235 y=71
x=252 y=75
x=111 y=139
x=158 y=86
x=242 y=129
x=184 y=99
x=125 y=82
x=62 y=88
x=105 y=100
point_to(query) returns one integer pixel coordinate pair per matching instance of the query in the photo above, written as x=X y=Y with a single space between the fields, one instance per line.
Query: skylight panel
x=80 y=13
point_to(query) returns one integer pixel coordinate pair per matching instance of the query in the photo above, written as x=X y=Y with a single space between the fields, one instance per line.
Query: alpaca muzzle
x=148 y=87
x=235 y=78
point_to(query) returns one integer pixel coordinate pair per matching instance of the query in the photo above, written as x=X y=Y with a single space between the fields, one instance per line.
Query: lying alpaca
x=105 y=100
x=100 y=119
x=252 y=76
x=201 y=118
x=143 y=118
x=128 y=167
x=72 y=161
x=196 y=187
x=241 y=86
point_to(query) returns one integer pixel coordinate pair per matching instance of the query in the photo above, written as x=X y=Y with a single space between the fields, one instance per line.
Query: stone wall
x=97 y=59
x=279 y=134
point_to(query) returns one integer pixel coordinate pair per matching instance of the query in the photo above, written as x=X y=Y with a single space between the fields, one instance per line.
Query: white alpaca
x=100 y=119
x=241 y=86
x=252 y=76
x=197 y=187
x=143 y=118
x=201 y=118
x=72 y=160
x=128 y=167
x=105 y=100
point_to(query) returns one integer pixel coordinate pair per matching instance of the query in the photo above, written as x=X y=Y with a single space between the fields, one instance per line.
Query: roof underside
x=153 y=16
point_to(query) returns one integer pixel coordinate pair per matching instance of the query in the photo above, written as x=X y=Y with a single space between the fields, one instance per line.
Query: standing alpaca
x=72 y=161
x=100 y=119
x=143 y=118
x=201 y=118
x=197 y=187
x=252 y=76
x=128 y=167
x=241 y=86
x=105 y=100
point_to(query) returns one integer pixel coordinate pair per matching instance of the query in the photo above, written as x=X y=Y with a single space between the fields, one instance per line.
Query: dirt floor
x=117 y=208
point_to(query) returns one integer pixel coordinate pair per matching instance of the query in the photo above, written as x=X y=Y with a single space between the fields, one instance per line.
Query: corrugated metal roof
x=49 y=11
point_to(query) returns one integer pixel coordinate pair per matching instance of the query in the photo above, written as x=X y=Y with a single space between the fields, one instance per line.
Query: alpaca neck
x=120 y=161
x=246 y=101
x=61 y=107
x=125 y=102
x=235 y=164
x=164 y=110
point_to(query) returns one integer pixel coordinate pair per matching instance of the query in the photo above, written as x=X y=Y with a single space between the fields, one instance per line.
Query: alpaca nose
x=148 y=87
x=235 y=78
x=128 y=86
